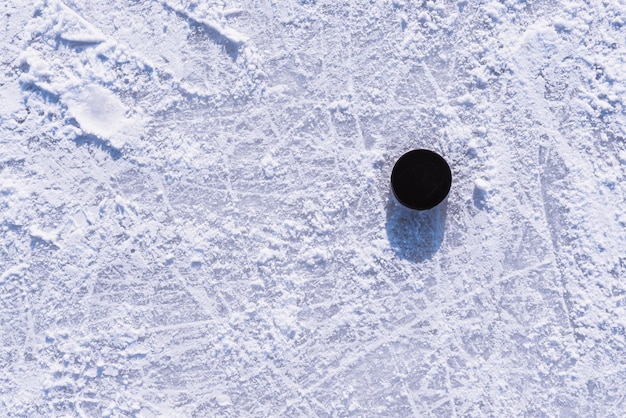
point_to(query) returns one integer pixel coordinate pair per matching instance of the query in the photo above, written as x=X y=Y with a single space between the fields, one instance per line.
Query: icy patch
x=98 y=112
x=11 y=100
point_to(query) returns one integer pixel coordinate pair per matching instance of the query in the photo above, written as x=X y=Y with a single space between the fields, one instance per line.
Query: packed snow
x=196 y=217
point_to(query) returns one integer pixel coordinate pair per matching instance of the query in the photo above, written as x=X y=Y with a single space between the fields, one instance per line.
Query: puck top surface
x=421 y=179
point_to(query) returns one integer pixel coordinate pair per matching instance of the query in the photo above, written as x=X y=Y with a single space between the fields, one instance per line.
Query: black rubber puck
x=421 y=179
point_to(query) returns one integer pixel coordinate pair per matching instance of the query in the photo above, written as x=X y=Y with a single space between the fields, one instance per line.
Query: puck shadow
x=415 y=235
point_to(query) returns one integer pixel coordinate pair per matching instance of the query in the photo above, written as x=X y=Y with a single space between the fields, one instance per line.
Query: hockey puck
x=421 y=179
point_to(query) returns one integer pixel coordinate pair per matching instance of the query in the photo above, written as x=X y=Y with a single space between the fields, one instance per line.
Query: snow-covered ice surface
x=196 y=220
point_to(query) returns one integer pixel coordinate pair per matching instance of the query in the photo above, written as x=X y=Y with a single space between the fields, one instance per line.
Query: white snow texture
x=196 y=219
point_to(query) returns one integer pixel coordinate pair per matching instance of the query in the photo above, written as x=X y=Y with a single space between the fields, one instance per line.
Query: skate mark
x=229 y=39
x=405 y=329
x=413 y=401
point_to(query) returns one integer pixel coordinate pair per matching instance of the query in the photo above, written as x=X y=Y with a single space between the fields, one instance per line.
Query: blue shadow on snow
x=415 y=235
